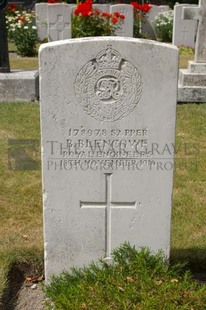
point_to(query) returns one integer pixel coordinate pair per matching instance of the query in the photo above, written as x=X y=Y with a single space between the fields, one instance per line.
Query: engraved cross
x=108 y=205
x=198 y=13
x=58 y=26
x=184 y=32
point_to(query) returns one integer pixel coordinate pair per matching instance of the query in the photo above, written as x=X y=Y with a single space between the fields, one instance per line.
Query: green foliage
x=184 y=50
x=22 y=31
x=90 y=26
x=89 y=22
x=164 y=26
x=134 y=280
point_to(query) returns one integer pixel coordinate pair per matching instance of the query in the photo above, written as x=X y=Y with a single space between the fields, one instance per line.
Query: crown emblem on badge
x=108 y=87
x=108 y=59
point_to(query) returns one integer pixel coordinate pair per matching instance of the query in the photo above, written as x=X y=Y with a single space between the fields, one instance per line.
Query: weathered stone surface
x=19 y=86
x=164 y=8
x=41 y=20
x=195 y=67
x=198 y=13
x=148 y=21
x=108 y=128
x=184 y=31
x=59 y=22
x=192 y=82
x=127 y=10
x=102 y=7
x=187 y=78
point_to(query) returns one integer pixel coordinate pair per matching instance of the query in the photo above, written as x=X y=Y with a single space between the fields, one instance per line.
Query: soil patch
x=24 y=290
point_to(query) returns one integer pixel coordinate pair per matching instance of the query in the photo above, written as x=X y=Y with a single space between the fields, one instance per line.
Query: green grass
x=31 y=63
x=20 y=191
x=24 y=63
x=135 y=280
x=189 y=220
x=21 y=199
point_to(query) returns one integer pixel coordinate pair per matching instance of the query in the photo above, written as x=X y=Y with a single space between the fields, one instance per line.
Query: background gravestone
x=192 y=81
x=127 y=27
x=184 y=31
x=59 y=22
x=41 y=20
x=148 y=21
x=107 y=122
x=164 y=8
x=101 y=7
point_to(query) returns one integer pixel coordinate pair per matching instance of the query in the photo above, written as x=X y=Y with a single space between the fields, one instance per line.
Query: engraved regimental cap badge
x=108 y=87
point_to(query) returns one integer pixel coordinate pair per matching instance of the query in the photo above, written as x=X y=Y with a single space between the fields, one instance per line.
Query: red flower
x=52 y=1
x=84 y=9
x=117 y=14
x=122 y=16
x=106 y=14
x=114 y=20
x=22 y=19
x=146 y=7
x=12 y=7
x=136 y=5
x=97 y=12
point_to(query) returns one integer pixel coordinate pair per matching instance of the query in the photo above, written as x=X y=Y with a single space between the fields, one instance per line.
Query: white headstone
x=41 y=20
x=164 y=8
x=198 y=14
x=127 y=10
x=184 y=31
x=102 y=7
x=147 y=23
x=108 y=128
x=192 y=82
x=59 y=22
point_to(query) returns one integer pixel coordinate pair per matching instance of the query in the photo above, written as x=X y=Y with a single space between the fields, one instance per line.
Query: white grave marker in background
x=41 y=20
x=59 y=22
x=147 y=23
x=108 y=128
x=184 y=31
x=127 y=10
x=192 y=81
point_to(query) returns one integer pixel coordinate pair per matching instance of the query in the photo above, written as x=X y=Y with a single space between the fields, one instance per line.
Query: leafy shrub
x=139 y=12
x=134 y=280
x=89 y=22
x=164 y=26
x=22 y=30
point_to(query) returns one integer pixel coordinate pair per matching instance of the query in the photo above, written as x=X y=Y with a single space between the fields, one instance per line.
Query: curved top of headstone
x=198 y=13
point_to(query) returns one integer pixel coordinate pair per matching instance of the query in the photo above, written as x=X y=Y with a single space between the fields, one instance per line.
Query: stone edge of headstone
x=106 y=38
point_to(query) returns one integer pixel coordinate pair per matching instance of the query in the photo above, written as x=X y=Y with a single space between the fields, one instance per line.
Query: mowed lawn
x=21 y=232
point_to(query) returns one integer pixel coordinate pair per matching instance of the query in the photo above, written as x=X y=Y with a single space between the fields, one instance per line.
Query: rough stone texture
x=192 y=82
x=127 y=10
x=195 y=67
x=184 y=31
x=192 y=78
x=107 y=122
x=41 y=20
x=59 y=22
x=198 y=13
x=102 y=7
x=147 y=23
x=164 y=8
x=19 y=86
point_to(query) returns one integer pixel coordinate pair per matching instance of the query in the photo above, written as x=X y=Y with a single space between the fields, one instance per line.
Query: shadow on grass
x=194 y=257
x=16 y=277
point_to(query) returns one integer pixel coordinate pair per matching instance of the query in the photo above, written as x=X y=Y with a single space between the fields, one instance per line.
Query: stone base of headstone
x=192 y=83
x=19 y=86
